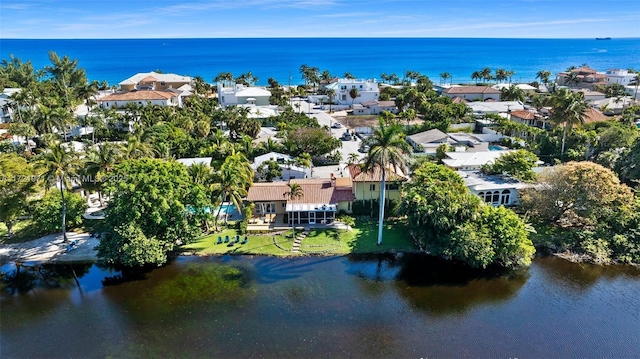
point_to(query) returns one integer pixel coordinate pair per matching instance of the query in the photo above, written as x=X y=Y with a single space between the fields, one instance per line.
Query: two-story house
x=239 y=94
x=581 y=77
x=367 y=91
x=366 y=185
x=473 y=93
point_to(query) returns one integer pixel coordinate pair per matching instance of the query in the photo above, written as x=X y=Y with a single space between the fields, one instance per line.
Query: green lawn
x=361 y=239
x=23 y=231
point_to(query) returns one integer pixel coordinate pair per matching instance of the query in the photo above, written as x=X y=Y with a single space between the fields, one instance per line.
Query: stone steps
x=298 y=240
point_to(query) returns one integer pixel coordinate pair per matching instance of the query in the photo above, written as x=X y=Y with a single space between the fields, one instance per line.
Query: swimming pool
x=496 y=148
x=225 y=208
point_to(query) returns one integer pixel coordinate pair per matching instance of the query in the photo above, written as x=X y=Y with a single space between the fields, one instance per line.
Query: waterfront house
x=366 y=185
x=320 y=202
x=479 y=108
x=472 y=93
x=154 y=81
x=367 y=91
x=287 y=163
x=581 y=77
x=240 y=94
x=494 y=189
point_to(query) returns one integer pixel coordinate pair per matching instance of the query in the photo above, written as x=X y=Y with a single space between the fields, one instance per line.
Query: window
x=360 y=86
x=270 y=208
x=162 y=83
x=391 y=186
x=372 y=187
x=496 y=197
x=284 y=204
x=506 y=197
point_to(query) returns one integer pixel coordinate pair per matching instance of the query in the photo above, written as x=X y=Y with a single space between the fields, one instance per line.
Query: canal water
x=405 y=306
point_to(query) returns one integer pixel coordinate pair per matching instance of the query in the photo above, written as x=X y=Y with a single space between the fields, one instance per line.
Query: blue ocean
x=114 y=60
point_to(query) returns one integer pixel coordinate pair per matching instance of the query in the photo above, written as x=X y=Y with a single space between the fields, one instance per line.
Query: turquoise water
x=495 y=148
x=117 y=59
x=229 y=209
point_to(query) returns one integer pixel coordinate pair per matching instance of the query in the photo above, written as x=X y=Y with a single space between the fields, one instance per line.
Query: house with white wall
x=141 y=98
x=287 y=163
x=494 y=190
x=471 y=161
x=6 y=112
x=367 y=91
x=239 y=94
x=619 y=76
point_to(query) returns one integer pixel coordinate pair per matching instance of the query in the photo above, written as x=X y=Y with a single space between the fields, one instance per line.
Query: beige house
x=367 y=185
x=141 y=98
x=154 y=81
x=583 y=77
x=471 y=93
x=321 y=200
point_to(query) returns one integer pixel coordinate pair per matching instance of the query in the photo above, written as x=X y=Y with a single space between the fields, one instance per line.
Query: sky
x=68 y=19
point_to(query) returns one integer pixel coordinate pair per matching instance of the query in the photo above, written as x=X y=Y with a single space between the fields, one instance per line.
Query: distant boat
x=603 y=38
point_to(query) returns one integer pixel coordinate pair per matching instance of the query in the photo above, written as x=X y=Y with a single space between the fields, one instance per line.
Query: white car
x=336 y=125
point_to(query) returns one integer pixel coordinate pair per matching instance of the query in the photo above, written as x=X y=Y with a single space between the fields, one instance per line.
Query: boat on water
x=603 y=38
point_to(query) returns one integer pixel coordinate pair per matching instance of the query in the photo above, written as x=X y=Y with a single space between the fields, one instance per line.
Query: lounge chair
x=219 y=240
x=226 y=239
x=244 y=241
x=238 y=239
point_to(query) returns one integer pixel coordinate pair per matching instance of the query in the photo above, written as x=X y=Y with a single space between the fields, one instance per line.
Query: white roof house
x=471 y=160
x=367 y=90
x=619 y=76
x=242 y=95
x=5 y=100
x=494 y=107
x=195 y=160
x=289 y=170
x=523 y=87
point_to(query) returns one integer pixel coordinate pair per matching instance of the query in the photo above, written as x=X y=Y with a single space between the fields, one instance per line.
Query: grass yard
x=23 y=231
x=361 y=239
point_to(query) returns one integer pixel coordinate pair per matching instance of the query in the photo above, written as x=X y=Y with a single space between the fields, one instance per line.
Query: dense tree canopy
x=148 y=209
x=452 y=222
x=518 y=164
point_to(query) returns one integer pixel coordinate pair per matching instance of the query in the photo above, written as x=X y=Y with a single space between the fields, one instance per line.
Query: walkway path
x=51 y=248
x=298 y=240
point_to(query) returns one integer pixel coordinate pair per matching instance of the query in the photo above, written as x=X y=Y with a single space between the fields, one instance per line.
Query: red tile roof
x=139 y=96
x=524 y=114
x=594 y=115
x=315 y=190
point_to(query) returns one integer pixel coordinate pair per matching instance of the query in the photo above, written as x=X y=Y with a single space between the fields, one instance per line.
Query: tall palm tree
x=386 y=147
x=543 y=75
x=59 y=164
x=572 y=79
x=486 y=74
x=570 y=109
x=353 y=93
x=636 y=83
x=475 y=76
x=501 y=74
x=331 y=93
x=295 y=192
x=234 y=178
x=444 y=76
x=512 y=93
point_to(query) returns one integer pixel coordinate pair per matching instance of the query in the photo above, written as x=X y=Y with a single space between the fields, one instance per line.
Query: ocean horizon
x=114 y=60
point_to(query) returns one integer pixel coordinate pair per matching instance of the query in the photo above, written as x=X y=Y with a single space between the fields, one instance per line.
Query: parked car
x=336 y=125
x=347 y=136
x=363 y=148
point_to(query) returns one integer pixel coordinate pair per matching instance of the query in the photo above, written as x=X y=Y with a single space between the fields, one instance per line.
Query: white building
x=195 y=161
x=6 y=112
x=242 y=95
x=286 y=162
x=619 y=76
x=495 y=190
x=367 y=91
x=480 y=107
x=154 y=81
x=471 y=161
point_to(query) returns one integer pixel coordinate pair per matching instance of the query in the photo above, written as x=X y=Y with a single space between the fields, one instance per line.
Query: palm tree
x=486 y=74
x=636 y=83
x=501 y=74
x=59 y=164
x=295 y=192
x=348 y=75
x=386 y=147
x=101 y=161
x=544 y=75
x=234 y=178
x=353 y=93
x=570 y=109
x=444 y=76
x=476 y=75
x=512 y=93
x=572 y=79
x=331 y=93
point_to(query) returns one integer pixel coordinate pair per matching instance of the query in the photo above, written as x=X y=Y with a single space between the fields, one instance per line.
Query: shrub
x=47 y=214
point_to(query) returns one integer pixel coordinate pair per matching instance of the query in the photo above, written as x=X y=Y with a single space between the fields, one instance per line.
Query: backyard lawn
x=361 y=239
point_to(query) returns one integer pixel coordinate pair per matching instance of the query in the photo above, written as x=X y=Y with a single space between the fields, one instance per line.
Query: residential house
x=287 y=163
x=239 y=94
x=320 y=202
x=528 y=89
x=366 y=185
x=583 y=77
x=6 y=111
x=428 y=141
x=619 y=76
x=530 y=117
x=472 y=93
x=141 y=98
x=154 y=81
x=479 y=108
x=470 y=160
x=493 y=189
x=374 y=107
x=591 y=95
x=367 y=91
x=195 y=161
